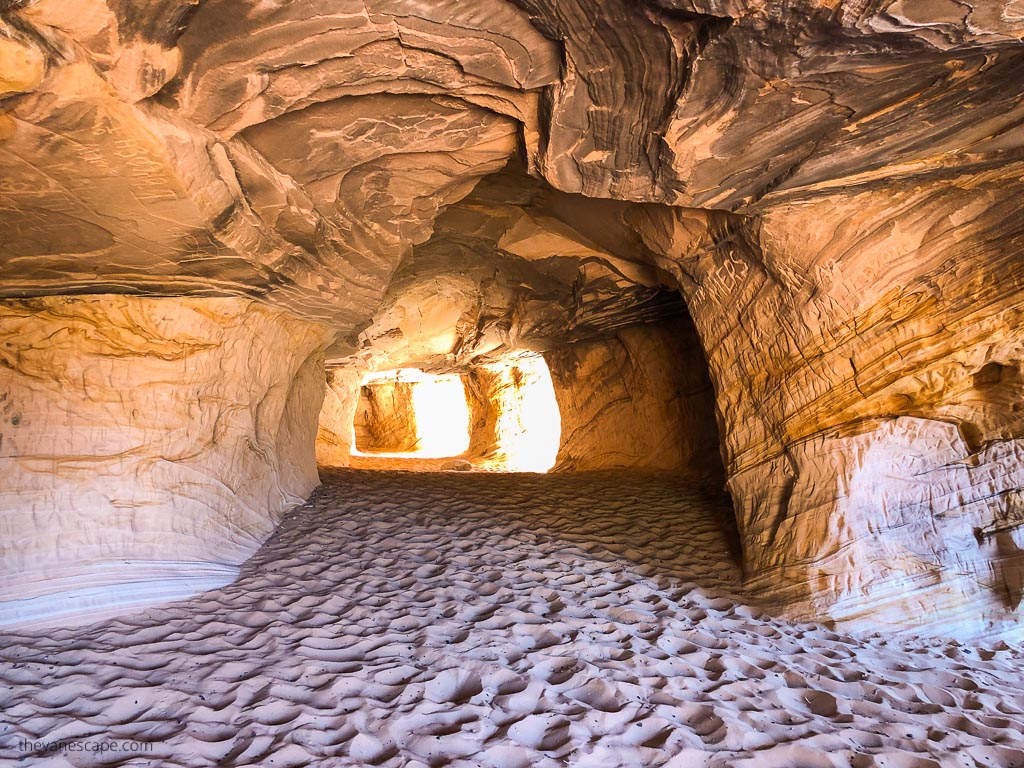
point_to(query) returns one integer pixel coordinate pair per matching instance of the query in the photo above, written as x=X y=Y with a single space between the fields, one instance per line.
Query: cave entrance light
x=500 y=417
x=528 y=424
x=439 y=413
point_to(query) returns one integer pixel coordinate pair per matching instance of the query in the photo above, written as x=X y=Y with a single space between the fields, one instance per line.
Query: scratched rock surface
x=119 y=490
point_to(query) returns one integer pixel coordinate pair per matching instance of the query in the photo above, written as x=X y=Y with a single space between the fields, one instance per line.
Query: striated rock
x=250 y=62
x=866 y=351
x=133 y=50
x=515 y=265
x=335 y=435
x=731 y=102
x=379 y=169
x=904 y=520
x=774 y=113
x=640 y=399
x=385 y=418
x=603 y=139
x=208 y=207
x=120 y=490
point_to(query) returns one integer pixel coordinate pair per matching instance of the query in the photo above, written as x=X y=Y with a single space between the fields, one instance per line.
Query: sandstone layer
x=385 y=417
x=119 y=489
x=873 y=438
x=640 y=399
x=335 y=436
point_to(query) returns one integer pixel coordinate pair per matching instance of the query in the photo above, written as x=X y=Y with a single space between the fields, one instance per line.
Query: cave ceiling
x=440 y=181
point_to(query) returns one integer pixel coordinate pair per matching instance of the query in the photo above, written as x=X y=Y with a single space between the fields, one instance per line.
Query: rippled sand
x=500 y=620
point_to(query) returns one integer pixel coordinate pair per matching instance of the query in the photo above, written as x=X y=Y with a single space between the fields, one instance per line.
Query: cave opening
x=500 y=416
x=558 y=329
x=411 y=413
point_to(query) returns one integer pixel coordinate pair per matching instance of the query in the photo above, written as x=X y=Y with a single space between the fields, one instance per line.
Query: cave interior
x=772 y=251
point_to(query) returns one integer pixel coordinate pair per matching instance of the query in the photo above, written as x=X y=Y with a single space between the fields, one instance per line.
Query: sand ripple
x=501 y=621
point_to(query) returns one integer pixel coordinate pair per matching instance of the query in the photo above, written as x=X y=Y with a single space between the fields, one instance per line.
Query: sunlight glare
x=440 y=409
x=529 y=425
x=442 y=417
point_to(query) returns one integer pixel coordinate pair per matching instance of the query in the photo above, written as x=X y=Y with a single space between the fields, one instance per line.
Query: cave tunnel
x=511 y=383
x=640 y=397
x=502 y=417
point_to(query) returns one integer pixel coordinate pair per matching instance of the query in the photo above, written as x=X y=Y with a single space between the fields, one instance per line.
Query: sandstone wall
x=147 y=446
x=867 y=350
x=482 y=385
x=385 y=419
x=640 y=399
x=335 y=435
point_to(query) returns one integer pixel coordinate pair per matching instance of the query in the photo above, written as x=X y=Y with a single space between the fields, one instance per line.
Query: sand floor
x=458 y=619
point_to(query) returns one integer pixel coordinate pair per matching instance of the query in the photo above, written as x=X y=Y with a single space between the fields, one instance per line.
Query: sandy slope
x=495 y=620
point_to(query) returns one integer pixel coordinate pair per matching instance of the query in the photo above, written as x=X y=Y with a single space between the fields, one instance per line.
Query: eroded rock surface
x=385 y=417
x=867 y=372
x=641 y=399
x=121 y=490
x=335 y=436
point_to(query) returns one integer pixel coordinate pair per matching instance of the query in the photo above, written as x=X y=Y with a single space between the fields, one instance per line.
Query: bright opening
x=434 y=407
x=499 y=417
x=442 y=416
x=528 y=426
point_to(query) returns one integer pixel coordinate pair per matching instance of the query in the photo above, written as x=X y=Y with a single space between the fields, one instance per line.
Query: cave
x=512 y=383
x=501 y=417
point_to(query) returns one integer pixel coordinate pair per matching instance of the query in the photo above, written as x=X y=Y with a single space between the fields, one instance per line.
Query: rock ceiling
x=313 y=154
